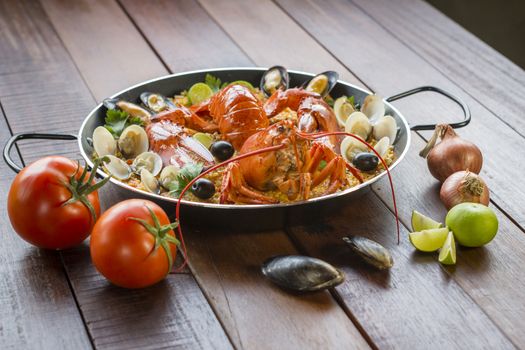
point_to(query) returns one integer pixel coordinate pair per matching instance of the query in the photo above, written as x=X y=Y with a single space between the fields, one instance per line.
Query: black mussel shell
x=370 y=251
x=274 y=78
x=132 y=108
x=301 y=273
x=110 y=103
x=322 y=83
x=156 y=102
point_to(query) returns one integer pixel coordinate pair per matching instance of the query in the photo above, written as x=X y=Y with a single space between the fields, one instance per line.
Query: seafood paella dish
x=248 y=142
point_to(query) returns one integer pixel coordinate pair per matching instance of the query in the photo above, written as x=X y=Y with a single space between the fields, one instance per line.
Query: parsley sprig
x=213 y=82
x=185 y=175
x=117 y=120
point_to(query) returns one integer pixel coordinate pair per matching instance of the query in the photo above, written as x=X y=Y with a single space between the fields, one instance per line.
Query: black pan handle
x=464 y=107
x=24 y=136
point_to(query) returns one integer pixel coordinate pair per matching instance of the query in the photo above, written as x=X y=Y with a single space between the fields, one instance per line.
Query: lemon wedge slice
x=447 y=254
x=429 y=240
x=421 y=222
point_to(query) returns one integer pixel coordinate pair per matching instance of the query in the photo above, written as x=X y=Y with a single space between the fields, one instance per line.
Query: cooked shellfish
x=350 y=147
x=118 y=168
x=373 y=107
x=149 y=181
x=385 y=126
x=148 y=160
x=273 y=79
x=322 y=83
x=371 y=251
x=103 y=142
x=358 y=124
x=133 y=141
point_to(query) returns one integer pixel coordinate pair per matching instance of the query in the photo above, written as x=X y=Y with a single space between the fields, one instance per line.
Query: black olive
x=222 y=150
x=203 y=188
x=365 y=161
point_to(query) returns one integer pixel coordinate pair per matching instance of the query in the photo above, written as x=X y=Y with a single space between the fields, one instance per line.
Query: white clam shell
x=103 y=142
x=382 y=146
x=133 y=141
x=149 y=181
x=118 y=168
x=373 y=107
x=168 y=174
x=342 y=110
x=385 y=126
x=358 y=124
x=148 y=160
x=350 y=147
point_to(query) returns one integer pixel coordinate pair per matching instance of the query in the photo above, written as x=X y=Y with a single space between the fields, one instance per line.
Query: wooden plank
x=47 y=85
x=277 y=40
x=35 y=298
x=397 y=68
x=132 y=60
x=482 y=72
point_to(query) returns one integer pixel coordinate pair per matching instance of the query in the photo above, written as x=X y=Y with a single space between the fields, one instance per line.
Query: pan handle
x=464 y=107
x=24 y=136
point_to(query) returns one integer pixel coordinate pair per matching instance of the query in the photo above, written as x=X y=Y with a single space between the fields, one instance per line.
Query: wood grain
x=389 y=67
x=226 y=264
x=51 y=94
x=482 y=72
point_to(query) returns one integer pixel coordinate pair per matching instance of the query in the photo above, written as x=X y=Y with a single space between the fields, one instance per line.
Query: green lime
x=421 y=222
x=447 y=254
x=429 y=240
x=473 y=224
x=243 y=83
x=205 y=139
x=199 y=93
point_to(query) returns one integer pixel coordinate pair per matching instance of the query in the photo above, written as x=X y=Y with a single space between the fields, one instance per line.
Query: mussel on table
x=370 y=251
x=273 y=79
x=301 y=273
x=156 y=102
x=322 y=83
x=132 y=109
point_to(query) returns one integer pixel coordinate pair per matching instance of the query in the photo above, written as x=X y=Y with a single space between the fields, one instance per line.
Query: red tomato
x=41 y=206
x=123 y=244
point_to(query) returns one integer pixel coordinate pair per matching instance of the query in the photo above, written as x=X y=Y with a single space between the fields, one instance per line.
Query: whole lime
x=473 y=224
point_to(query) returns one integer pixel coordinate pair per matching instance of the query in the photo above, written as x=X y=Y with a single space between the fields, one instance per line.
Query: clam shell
x=103 y=142
x=385 y=126
x=358 y=124
x=382 y=146
x=149 y=181
x=274 y=78
x=302 y=273
x=322 y=83
x=118 y=168
x=342 y=109
x=371 y=251
x=373 y=107
x=133 y=141
x=148 y=160
x=350 y=147
x=168 y=174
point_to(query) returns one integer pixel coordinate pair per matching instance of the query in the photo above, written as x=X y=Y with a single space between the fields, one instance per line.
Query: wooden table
x=59 y=58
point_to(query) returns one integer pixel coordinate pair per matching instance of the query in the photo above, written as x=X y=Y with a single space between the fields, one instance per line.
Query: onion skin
x=452 y=154
x=464 y=186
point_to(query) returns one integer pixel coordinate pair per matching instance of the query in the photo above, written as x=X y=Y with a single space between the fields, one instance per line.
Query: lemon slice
x=429 y=240
x=199 y=93
x=447 y=254
x=421 y=222
x=243 y=83
x=205 y=139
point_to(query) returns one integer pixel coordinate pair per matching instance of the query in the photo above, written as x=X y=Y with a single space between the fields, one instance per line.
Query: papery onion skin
x=464 y=186
x=453 y=154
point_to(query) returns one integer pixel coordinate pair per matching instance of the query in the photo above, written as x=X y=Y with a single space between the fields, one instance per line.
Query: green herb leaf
x=117 y=120
x=184 y=177
x=351 y=100
x=213 y=82
x=322 y=164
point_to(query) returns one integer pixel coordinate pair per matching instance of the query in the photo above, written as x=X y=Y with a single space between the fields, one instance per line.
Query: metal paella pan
x=265 y=215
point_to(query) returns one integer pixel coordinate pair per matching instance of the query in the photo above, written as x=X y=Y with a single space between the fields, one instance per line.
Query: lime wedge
x=243 y=83
x=205 y=139
x=199 y=93
x=429 y=240
x=421 y=222
x=447 y=254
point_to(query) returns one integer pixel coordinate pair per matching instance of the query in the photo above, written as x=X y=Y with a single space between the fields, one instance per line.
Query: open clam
x=373 y=107
x=385 y=126
x=149 y=181
x=322 y=83
x=358 y=124
x=343 y=109
x=133 y=141
x=168 y=175
x=350 y=147
x=118 y=168
x=302 y=273
x=103 y=142
x=133 y=109
x=150 y=161
x=371 y=251
x=274 y=78
x=156 y=102
x=382 y=146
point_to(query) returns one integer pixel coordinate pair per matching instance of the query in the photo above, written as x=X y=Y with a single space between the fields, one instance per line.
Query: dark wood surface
x=57 y=58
